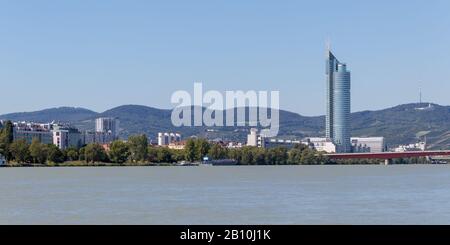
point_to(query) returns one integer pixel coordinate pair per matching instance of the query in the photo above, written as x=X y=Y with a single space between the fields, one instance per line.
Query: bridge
x=387 y=156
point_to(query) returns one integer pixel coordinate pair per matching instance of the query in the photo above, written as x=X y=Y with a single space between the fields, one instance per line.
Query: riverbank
x=150 y=164
x=83 y=164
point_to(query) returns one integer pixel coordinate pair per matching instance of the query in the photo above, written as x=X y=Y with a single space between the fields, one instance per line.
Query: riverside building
x=338 y=103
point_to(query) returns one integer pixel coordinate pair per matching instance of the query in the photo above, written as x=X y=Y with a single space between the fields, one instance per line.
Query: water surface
x=406 y=194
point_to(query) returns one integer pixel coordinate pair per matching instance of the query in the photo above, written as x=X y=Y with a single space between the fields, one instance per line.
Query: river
x=358 y=194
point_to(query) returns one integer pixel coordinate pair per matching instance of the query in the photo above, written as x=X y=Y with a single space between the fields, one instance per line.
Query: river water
x=396 y=194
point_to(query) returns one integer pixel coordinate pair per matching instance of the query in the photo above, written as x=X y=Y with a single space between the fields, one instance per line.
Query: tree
x=217 y=152
x=152 y=154
x=119 y=152
x=308 y=156
x=6 y=139
x=235 y=154
x=189 y=150
x=38 y=152
x=177 y=155
x=19 y=150
x=202 y=148
x=72 y=154
x=138 y=145
x=247 y=155
x=279 y=155
x=163 y=155
x=259 y=156
x=95 y=153
x=81 y=153
x=55 y=155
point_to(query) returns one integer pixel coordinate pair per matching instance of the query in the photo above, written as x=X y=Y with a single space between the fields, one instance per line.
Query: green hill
x=401 y=124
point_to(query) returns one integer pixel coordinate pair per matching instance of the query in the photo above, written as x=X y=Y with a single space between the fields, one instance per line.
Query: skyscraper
x=338 y=103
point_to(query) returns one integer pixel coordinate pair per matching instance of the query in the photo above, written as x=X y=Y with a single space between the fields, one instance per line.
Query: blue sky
x=101 y=54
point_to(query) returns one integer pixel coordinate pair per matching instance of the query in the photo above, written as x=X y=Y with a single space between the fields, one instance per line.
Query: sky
x=102 y=54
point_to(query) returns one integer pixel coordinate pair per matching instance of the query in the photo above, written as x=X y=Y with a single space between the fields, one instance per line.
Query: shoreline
x=174 y=165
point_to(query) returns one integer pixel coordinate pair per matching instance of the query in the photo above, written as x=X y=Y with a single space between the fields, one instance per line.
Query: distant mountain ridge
x=401 y=124
x=64 y=114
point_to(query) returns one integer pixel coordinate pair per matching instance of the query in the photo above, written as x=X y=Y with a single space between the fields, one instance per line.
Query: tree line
x=138 y=150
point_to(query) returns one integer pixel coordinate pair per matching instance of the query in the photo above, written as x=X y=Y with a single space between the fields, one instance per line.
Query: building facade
x=337 y=118
x=419 y=146
x=89 y=137
x=322 y=144
x=67 y=137
x=256 y=139
x=107 y=125
x=28 y=131
x=368 y=144
x=165 y=139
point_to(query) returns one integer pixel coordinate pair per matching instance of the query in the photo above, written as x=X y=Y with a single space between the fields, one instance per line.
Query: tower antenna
x=420 y=94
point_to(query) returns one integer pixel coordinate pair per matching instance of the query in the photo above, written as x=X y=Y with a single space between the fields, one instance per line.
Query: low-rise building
x=419 y=146
x=179 y=145
x=165 y=139
x=271 y=143
x=368 y=144
x=322 y=144
x=65 y=137
x=28 y=131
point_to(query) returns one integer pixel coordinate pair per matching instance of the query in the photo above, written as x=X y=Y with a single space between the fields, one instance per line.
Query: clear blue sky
x=101 y=54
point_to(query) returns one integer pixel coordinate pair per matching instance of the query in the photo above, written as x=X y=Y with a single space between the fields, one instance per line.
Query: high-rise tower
x=338 y=103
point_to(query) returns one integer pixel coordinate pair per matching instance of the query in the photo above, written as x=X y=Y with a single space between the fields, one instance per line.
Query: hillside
x=400 y=124
x=62 y=114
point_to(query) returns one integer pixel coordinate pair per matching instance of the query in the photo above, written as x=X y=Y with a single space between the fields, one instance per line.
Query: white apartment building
x=165 y=139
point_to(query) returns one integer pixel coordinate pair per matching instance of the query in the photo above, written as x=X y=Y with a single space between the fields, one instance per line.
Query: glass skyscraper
x=338 y=103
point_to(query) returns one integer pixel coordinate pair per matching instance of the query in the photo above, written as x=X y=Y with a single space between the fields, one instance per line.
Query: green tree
x=259 y=156
x=72 y=154
x=119 y=152
x=308 y=156
x=190 y=150
x=138 y=145
x=247 y=155
x=164 y=155
x=81 y=153
x=38 y=151
x=152 y=154
x=235 y=154
x=95 y=153
x=280 y=155
x=202 y=147
x=55 y=155
x=19 y=150
x=177 y=155
x=6 y=139
x=217 y=152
